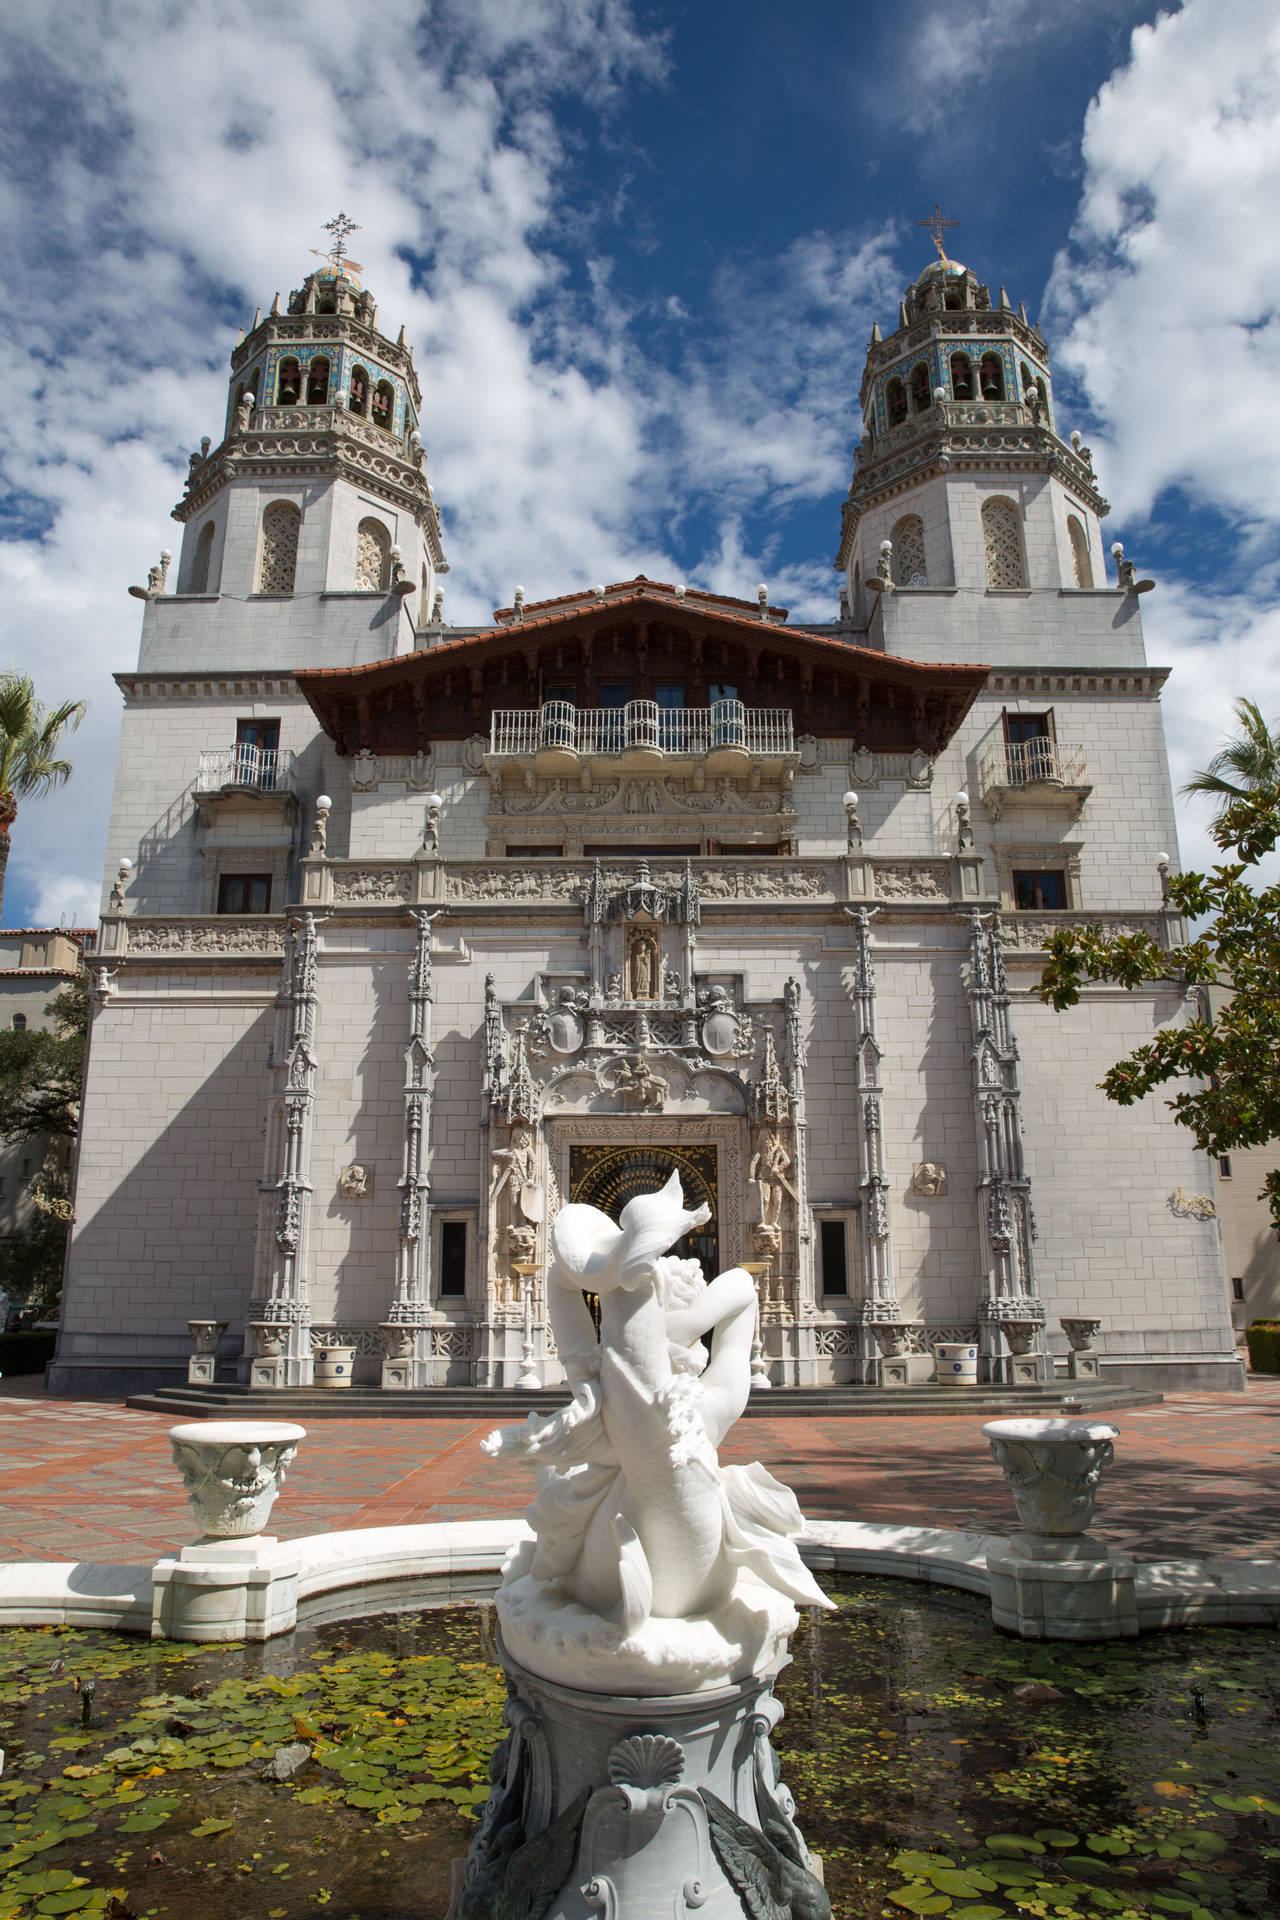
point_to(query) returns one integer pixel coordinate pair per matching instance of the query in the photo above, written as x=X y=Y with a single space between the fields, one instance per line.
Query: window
x=384 y=404
x=453 y=1260
x=1029 y=742
x=1039 y=891
x=26 y=1167
x=833 y=1245
x=991 y=377
x=373 y=557
x=244 y=893
x=280 y=525
x=318 y=381
x=19 y=1022
x=908 y=552
x=962 y=376
x=1002 y=538
x=199 y=581
x=614 y=694
x=921 y=396
x=257 y=753
x=895 y=395
x=288 y=384
x=359 y=397
x=1080 y=561
x=1237 y=1289
x=1224 y=1161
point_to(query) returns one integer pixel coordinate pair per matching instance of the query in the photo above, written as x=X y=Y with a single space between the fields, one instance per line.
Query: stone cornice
x=137 y=687
x=1143 y=682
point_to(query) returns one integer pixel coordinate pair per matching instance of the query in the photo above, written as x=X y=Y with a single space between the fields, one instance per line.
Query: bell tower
x=963 y=479
x=317 y=490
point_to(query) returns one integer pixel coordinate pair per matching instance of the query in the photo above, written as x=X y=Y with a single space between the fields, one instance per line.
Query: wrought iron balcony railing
x=642 y=726
x=1040 y=768
x=251 y=769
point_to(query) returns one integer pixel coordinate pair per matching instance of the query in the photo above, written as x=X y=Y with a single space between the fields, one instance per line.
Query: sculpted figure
x=654 y=1568
x=768 y=1174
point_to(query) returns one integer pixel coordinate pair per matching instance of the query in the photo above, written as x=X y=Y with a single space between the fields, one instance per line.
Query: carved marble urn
x=233 y=1470
x=1053 y=1468
x=1081 y=1334
x=270 y=1337
x=205 y=1334
x=397 y=1340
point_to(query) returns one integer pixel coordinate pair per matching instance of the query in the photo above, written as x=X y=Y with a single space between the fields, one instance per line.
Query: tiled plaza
x=1198 y=1475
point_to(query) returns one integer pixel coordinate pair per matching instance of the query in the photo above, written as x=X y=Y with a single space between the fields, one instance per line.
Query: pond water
x=939 y=1767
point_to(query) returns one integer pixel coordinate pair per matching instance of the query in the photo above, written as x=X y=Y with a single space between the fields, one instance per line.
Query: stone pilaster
x=879 y=1296
x=1010 y=1313
x=411 y=1307
x=796 y=1059
x=286 y=1358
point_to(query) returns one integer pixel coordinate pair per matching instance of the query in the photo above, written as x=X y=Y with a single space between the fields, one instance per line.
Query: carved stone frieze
x=383 y=884
x=525 y=882
x=1030 y=932
x=792 y=881
x=220 y=934
x=913 y=880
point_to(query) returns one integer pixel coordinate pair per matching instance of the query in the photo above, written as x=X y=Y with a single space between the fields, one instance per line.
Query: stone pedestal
x=226 y=1590
x=1082 y=1362
x=1090 y=1598
x=202 y=1369
x=267 y=1370
x=202 y=1366
x=635 y=1807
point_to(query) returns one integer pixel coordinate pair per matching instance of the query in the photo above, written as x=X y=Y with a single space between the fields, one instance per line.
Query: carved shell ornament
x=646 y=1760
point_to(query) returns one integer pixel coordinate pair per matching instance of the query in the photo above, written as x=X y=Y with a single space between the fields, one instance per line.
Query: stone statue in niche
x=640 y=1086
x=929 y=1180
x=770 y=1164
x=613 y=993
x=643 y=964
x=513 y=1171
x=719 y=1023
x=355 y=1182
x=670 y=984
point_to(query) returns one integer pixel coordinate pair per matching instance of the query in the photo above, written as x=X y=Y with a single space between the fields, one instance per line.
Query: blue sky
x=639 y=249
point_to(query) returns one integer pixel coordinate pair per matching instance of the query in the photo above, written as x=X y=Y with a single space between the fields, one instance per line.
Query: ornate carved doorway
x=607 y=1177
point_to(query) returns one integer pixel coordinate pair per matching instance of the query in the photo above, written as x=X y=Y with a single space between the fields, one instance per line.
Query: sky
x=639 y=249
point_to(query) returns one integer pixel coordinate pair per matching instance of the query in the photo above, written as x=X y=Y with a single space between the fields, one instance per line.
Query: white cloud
x=169 y=168
x=1166 y=306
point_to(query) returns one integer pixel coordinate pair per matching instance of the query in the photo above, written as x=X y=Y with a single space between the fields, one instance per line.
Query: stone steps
x=234 y=1401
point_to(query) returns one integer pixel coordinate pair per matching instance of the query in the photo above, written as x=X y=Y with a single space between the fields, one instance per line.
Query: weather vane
x=337 y=256
x=936 y=227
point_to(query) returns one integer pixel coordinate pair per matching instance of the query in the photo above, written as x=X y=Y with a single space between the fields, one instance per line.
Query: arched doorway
x=608 y=1176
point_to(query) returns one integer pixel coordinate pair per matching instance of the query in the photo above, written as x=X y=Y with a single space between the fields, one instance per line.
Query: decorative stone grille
x=908 y=552
x=280 y=524
x=451 y=1343
x=838 y=1342
x=373 y=557
x=1002 y=536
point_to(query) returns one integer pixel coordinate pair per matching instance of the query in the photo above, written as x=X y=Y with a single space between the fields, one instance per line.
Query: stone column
x=796 y=1059
x=1010 y=1313
x=880 y=1298
x=283 y=1348
x=407 y=1362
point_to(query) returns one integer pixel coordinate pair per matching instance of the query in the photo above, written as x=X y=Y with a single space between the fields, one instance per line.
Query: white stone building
x=428 y=928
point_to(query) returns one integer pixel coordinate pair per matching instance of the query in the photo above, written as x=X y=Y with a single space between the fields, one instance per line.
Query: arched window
x=318 y=381
x=962 y=376
x=895 y=395
x=384 y=404
x=921 y=397
x=288 y=384
x=280 y=524
x=954 y=296
x=19 y=1022
x=373 y=557
x=199 y=581
x=908 y=552
x=359 y=401
x=1080 y=552
x=1002 y=538
x=991 y=377
x=1028 y=380
x=1043 y=391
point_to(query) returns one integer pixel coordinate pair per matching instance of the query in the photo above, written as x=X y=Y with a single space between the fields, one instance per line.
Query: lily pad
x=919 y=1900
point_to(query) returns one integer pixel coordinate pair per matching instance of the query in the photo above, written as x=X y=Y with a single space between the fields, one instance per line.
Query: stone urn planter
x=202 y=1364
x=1053 y=1468
x=957 y=1362
x=232 y=1471
x=334 y=1366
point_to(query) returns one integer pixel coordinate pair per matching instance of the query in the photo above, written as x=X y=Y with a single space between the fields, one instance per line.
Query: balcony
x=244 y=773
x=1044 y=773
x=559 y=737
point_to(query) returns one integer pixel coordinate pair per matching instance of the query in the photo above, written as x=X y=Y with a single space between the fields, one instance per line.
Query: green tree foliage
x=1231 y=1057
x=41 y=1072
x=1248 y=762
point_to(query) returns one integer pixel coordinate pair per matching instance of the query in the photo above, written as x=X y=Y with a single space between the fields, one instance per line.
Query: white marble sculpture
x=654 y=1570
x=232 y=1471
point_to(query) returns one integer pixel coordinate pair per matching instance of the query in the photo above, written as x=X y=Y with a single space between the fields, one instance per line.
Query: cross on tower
x=936 y=227
x=340 y=226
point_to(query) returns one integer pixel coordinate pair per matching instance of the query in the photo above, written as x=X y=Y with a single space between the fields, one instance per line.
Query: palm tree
x=30 y=736
x=1253 y=757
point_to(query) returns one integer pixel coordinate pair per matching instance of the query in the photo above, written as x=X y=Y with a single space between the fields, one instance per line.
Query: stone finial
x=437 y=608
x=681 y=590
x=401 y=578
x=876 y=335
x=762 y=600
x=964 y=827
x=275 y=306
x=244 y=411
x=1126 y=571
x=122 y=880
x=884 y=566
x=845 y=613
x=939 y=395
x=320 y=829
x=853 y=825
x=517 y=603
x=1005 y=303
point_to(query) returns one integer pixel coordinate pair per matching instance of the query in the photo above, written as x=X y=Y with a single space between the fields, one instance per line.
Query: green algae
x=1146 y=1783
